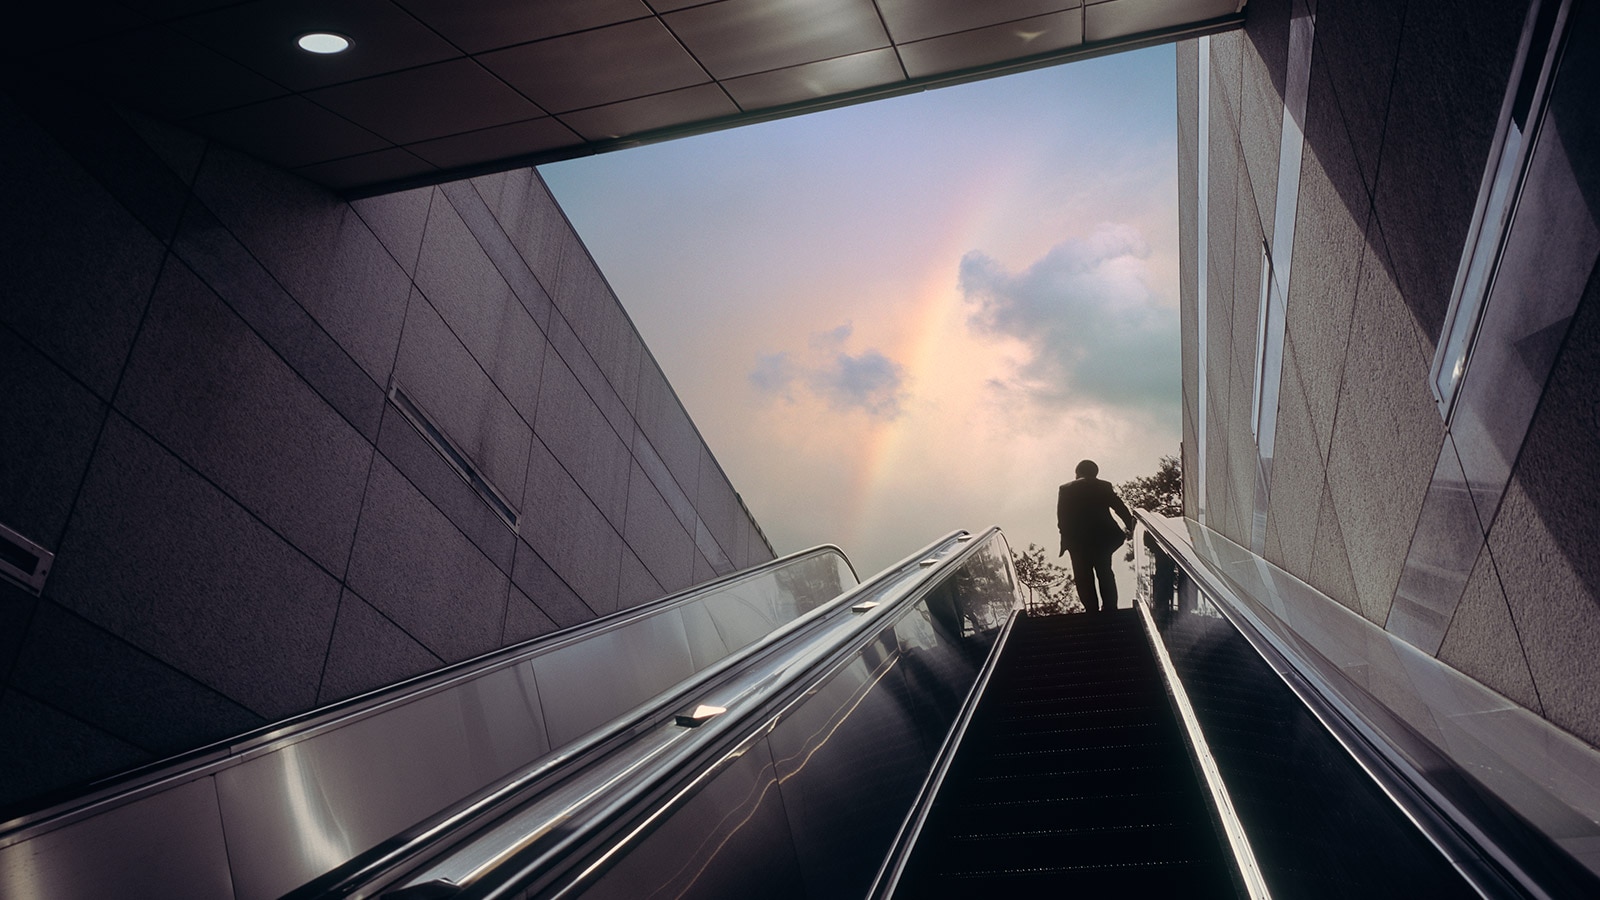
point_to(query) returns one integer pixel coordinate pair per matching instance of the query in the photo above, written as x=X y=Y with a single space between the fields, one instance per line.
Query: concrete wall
x=1402 y=107
x=196 y=350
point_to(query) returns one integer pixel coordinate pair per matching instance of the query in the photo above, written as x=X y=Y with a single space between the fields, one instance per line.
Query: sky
x=914 y=315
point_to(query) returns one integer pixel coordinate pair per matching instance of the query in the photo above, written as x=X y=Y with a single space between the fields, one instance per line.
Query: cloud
x=867 y=381
x=1094 y=331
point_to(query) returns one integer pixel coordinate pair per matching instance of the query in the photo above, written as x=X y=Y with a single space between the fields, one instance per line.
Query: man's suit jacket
x=1083 y=515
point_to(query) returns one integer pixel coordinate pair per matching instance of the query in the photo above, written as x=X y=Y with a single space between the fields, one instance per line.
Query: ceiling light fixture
x=324 y=42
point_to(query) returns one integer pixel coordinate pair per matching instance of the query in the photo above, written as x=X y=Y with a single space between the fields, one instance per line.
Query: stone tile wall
x=1402 y=107
x=196 y=351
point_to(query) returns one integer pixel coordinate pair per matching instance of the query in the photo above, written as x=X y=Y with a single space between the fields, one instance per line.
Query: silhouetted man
x=1083 y=514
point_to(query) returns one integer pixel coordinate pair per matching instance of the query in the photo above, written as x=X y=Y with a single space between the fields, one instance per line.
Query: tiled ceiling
x=436 y=89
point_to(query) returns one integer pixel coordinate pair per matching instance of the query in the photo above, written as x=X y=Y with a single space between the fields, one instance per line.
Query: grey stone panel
x=655 y=535
x=717 y=505
x=531 y=218
x=100 y=679
x=524 y=620
x=480 y=308
x=545 y=589
x=16 y=611
x=1557 y=466
x=508 y=261
x=180 y=150
x=422 y=573
x=1557 y=617
x=668 y=428
x=168 y=562
x=656 y=470
x=1330 y=561
x=1444 y=549
x=706 y=547
x=1357 y=42
x=368 y=652
x=703 y=570
x=741 y=540
x=51 y=424
x=1227 y=76
x=114 y=154
x=586 y=300
x=1297 y=475
x=570 y=533
x=601 y=391
x=78 y=269
x=42 y=749
x=637 y=584
x=1263 y=66
x=398 y=221
x=217 y=257
x=415 y=457
x=1330 y=240
x=1482 y=640
x=1544 y=536
x=1385 y=441
x=1449 y=81
x=438 y=373
x=206 y=387
x=577 y=433
x=318 y=248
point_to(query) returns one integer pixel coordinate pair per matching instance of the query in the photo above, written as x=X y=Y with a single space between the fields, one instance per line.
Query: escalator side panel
x=850 y=761
x=293 y=814
x=1319 y=826
x=730 y=838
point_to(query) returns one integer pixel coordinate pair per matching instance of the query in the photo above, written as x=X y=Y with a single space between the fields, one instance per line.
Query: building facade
x=1392 y=323
x=277 y=449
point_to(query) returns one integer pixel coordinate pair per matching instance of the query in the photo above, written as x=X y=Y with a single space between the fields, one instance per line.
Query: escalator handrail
x=1480 y=847
x=131 y=784
x=426 y=836
x=510 y=849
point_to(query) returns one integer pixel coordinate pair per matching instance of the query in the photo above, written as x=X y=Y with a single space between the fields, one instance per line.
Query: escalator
x=914 y=736
x=1074 y=776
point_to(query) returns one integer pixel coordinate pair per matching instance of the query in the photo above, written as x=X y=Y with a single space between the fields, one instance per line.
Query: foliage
x=1161 y=493
x=1049 y=585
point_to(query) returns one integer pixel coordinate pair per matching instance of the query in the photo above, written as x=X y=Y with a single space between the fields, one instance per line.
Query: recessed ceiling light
x=323 y=42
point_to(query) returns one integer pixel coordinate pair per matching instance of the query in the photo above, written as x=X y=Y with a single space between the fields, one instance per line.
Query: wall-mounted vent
x=23 y=561
x=455 y=456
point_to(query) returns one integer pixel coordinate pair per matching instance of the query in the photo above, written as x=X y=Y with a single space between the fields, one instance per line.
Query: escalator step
x=1074 y=777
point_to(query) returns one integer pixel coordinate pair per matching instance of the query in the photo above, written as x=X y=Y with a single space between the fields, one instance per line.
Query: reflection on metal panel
x=305 y=796
x=850 y=760
x=296 y=813
x=587 y=684
x=729 y=839
x=127 y=852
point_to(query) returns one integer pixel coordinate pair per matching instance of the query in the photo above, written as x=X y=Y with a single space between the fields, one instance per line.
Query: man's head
x=1087 y=469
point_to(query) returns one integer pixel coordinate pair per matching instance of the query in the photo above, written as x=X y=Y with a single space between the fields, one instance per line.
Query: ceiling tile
x=915 y=20
x=998 y=43
x=383 y=38
x=165 y=73
x=368 y=168
x=742 y=37
x=694 y=104
x=814 y=80
x=428 y=102
x=498 y=143
x=289 y=131
x=490 y=24
x=596 y=67
x=1122 y=18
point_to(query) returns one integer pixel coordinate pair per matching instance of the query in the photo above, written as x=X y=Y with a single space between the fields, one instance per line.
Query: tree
x=1049 y=585
x=1161 y=493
